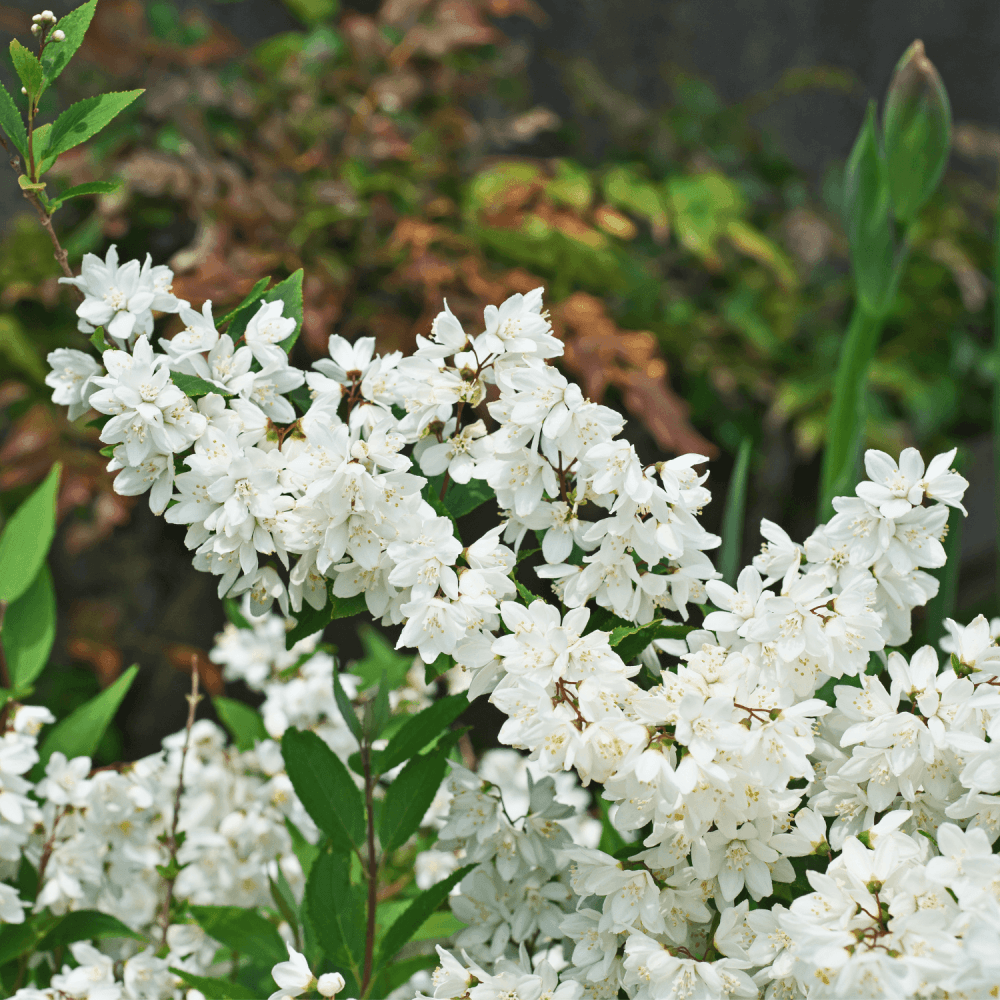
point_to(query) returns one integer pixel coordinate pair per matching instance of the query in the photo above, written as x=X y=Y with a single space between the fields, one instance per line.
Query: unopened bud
x=47 y=15
x=917 y=132
x=59 y=35
x=36 y=29
x=36 y=18
x=24 y=90
x=330 y=984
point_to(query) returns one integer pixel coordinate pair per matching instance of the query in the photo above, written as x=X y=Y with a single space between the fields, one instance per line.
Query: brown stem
x=372 y=866
x=61 y=254
x=172 y=845
x=43 y=862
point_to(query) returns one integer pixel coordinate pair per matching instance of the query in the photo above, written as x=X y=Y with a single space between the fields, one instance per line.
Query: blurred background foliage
x=699 y=279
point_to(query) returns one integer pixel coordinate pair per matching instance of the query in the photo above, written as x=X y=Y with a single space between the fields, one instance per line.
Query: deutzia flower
x=72 y=379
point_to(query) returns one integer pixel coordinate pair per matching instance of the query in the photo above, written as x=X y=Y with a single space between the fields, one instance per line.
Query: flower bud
x=24 y=90
x=917 y=132
x=47 y=15
x=36 y=29
x=37 y=18
x=59 y=35
x=330 y=984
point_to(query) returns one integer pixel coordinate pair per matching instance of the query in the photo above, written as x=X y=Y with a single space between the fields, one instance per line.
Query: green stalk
x=734 y=514
x=849 y=412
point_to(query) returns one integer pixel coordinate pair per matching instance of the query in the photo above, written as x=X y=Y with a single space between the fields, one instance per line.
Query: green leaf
x=413 y=917
x=917 y=127
x=216 y=989
x=79 y=734
x=12 y=123
x=526 y=595
x=868 y=219
x=29 y=629
x=86 y=925
x=337 y=911
x=462 y=498
x=734 y=514
x=85 y=118
x=28 y=69
x=325 y=788
x=376 y=712
x=409 y=797
x=289 y=292
x=83 y=190
x=243 y=722
x=313 y=12
x=21 y=939
x=611 y=839
x=74 y=26
x=345 y=706
x=393 y=976
x=432 y=494
x=252 y=298
x=243 y=931
x=194 y=387
x=628 y=641
x=419 y=731
x=380 y=660
x=100 y=345
x=27 y=536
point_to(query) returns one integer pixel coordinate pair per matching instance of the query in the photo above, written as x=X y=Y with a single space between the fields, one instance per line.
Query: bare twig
x=171 y=841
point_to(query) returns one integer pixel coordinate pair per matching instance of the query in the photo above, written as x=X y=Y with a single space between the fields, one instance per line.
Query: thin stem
x=372 y=866
x=172 y=844
x=996 y=383
x=5 y=678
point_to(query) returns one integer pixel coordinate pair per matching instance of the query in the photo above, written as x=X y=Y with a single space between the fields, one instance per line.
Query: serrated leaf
x=526 y=595
x=12 y=123
x=29 y=629
x=409 y=797
x=463 y=498
x=243 y=931
x=325 y=788
x=74 y=26
x=26 y=538
x=194 y=387
x=79 y=734
x=413 y=917
x=630 y=640
x=243 y=722
x=84 y=190
x=252 y=298
x=28 y=69
x=337 y=912
x=303 y=850
x=419 y=731
x=85 y=118
x=85 y=925
x=217 y=989
x=345 y=706
x=100 y=345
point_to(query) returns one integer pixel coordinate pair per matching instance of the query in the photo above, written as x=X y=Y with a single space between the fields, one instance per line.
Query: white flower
x=330 y=984
x=72 y=379
x=266 y=330
x=199 y=336
x=293 y=977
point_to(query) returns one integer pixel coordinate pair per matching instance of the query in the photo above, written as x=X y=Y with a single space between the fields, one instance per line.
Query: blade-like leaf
x=28 y=68
x=346 y=708
x=12 y=123
x=84 y=190
x=734 y=514
x=29 y=628
x=244 y=931
x=85 y=118
x=243 y=722
x=310 y=621
x=325 y=788
x=629 y=641
x=409 y=797
x=417 y=732
x=337 y=912
x=79 y=734
x=380 y=660
x=194 y=387
x=218 y=989
x=250 y=302
x=74 y=26
x=27 y=537
x=86 y=925
x=411 y=919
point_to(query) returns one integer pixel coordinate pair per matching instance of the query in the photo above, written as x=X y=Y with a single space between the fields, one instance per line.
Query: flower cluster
x=776 y=752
